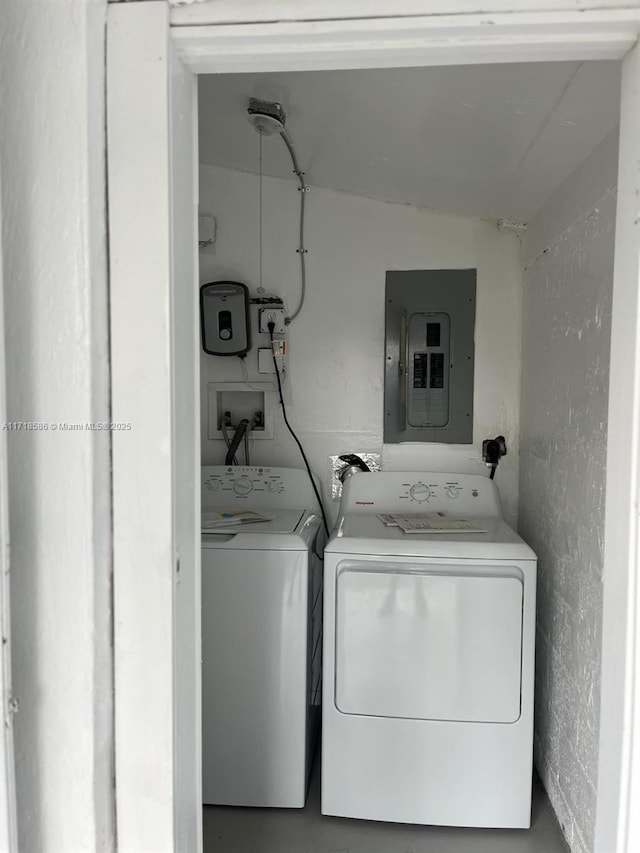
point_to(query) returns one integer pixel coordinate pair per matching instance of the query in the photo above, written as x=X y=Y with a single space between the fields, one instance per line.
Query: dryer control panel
x=407 y=491
x=256 y=485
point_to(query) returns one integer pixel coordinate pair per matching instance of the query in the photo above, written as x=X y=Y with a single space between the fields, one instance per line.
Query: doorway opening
x=507 y=169
x=151 y=186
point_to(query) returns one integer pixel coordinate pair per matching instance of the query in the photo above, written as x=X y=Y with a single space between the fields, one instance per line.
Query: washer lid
x=286 y=529
x=278 y=521
x=365 y=533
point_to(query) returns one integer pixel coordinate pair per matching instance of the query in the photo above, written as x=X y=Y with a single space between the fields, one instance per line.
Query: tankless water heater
x=224 y=317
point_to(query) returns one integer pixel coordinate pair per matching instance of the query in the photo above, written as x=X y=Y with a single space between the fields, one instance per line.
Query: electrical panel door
x=429 y=358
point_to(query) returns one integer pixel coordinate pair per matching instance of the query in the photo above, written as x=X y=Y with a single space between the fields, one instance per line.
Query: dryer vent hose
x=236 y=440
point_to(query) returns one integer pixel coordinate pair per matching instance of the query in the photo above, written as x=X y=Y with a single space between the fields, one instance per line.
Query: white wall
x=52 y=165
x=565 y=383
x=337 y=342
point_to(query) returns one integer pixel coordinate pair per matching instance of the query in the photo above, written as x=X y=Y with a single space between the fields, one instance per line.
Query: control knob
x=452 y=491
x=243 y=486
x=419 y=492
x=273 y=486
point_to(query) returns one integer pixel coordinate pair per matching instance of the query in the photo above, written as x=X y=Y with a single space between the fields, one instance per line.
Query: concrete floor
x=245 y=830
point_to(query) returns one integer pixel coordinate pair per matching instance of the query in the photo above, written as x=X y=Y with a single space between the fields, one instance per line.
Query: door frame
x=149 y=43
x=8 y=807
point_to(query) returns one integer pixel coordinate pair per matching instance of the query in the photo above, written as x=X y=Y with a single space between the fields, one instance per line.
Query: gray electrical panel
x=429 y=356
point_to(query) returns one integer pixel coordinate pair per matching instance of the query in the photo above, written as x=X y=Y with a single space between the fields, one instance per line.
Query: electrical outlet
x=272 y=315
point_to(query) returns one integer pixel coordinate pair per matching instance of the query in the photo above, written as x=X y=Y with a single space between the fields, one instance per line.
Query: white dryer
x=261 y=637
x=428 y=658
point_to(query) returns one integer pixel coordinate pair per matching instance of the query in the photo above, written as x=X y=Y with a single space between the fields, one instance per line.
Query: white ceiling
x=486 y=140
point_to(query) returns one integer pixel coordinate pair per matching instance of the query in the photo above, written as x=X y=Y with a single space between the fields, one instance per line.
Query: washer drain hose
x=236 y=440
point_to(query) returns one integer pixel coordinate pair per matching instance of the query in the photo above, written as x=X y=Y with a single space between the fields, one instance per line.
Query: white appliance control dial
x=243 y=486
x=452 y=491
x=419 y=492
x=213 y=484
x=274 y=486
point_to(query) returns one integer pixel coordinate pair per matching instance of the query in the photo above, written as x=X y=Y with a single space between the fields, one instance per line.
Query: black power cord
x=271 y=327
x=493 y=449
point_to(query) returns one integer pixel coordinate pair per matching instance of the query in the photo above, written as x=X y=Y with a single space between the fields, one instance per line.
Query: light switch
x=265 y=359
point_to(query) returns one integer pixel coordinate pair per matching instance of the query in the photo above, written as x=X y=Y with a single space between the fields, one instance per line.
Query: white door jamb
x=8 y=807
x=618 y=818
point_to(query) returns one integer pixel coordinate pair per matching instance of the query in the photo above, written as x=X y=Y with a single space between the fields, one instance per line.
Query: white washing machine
x=428 y=658
x=261 y=637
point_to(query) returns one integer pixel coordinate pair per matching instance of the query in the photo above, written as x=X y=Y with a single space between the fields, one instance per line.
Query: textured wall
x=337 y=342
x=565 y=381
x=53 y=216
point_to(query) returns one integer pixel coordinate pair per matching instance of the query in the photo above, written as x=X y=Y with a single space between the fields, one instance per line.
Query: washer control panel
x=391 y=491
x=254 y=485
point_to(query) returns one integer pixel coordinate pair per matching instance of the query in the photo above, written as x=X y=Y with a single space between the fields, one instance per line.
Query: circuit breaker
x=429 y=355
